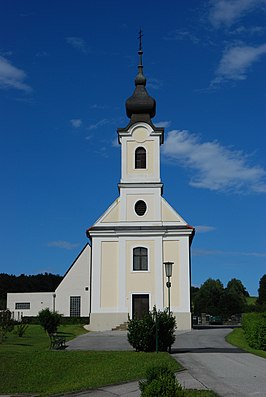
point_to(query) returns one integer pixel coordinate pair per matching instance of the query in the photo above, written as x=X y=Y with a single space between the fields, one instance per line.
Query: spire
x=140 y=103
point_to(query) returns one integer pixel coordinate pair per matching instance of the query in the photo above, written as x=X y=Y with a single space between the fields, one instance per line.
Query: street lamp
x=168 y=273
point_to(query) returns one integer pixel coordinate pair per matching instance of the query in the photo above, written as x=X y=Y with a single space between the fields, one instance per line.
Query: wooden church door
x=140 y=306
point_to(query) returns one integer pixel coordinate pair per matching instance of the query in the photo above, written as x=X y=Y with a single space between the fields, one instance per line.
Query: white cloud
x=115 y=143
x=12 y=77
x=42 y=54
x=79 y=43
x=248 y=30
x=204 y=228
x=180 y=35
x=97 y=106
x=76 y=123
x=63 y=244
x=214 y=166
x=209 y=252
x=236 y=61
x=155 y=84
x=98 y=124
x=227 y=12
x=164 y=124
x=206 y=252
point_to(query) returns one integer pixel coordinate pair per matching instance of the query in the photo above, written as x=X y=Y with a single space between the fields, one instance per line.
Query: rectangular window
x=140 y=259
x=75 y=306
x=22 y=305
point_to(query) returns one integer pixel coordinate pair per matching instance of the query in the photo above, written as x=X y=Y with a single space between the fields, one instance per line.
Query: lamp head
x=168 y=268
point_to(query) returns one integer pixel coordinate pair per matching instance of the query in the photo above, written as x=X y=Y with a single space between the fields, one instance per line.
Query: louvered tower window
x=140 y=158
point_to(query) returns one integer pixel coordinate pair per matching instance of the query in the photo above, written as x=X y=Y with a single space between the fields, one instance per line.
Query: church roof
x=140 y=103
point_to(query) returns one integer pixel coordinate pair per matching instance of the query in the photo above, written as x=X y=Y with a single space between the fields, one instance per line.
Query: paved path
x=210 y=362
x=106 y=340
x=225 y=369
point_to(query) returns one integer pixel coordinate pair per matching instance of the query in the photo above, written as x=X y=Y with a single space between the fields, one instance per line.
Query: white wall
x=38 y=301
x=76 y=282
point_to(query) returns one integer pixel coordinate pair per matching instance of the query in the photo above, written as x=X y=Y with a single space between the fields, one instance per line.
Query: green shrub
x=50 y=321
x=20 y=329
x=160 y=382
x=166 y=329
x=254 y=326
x=142 y=333
x=6 y=324
x=262 y=335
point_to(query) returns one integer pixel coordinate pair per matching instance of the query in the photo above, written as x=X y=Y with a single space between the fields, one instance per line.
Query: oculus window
x=140 y=258
x=140 y=158
x=140 y=207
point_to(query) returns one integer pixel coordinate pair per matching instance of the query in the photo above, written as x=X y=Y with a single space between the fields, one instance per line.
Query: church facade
x=120 y=273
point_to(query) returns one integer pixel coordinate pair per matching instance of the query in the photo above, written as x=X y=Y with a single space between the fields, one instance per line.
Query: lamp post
x=54 y=296
x=168 y=273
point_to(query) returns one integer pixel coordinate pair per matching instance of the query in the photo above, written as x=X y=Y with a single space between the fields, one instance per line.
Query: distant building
x=121 y=272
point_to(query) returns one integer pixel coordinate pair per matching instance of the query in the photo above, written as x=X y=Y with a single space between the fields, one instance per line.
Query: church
x=120 y=272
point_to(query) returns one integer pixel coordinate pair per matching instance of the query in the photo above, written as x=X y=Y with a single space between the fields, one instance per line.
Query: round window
x=140 y=207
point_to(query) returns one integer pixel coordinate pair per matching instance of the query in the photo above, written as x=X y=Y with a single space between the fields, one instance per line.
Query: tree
x=193 y=294
x=50 y=321
x=233 y=300
x=208 y=298
x=237 y=286
x=39 y=282
x=231 y=303
x=6 y=324
x=262 y=291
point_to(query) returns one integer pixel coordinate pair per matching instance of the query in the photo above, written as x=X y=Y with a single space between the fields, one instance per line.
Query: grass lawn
x=237 y=338
x=28 y=366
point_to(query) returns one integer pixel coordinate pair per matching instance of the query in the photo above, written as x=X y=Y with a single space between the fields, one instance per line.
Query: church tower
x=140 y=230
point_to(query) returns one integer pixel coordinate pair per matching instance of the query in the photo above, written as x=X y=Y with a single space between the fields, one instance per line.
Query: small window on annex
x=22 y=305
x=140 y=158
x=140 y=259
x=75 y=306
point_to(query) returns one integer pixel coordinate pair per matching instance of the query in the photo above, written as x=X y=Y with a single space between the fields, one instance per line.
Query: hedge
x=64 y=320
x=254 y=326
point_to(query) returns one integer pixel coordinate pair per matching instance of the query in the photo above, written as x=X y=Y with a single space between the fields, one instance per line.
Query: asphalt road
x=219 y=366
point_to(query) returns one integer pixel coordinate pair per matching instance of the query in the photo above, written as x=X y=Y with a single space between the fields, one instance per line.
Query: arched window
x=140 y=157
x=140 y=258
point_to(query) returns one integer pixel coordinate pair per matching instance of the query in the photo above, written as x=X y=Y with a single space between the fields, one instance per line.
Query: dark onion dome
x=140 y=102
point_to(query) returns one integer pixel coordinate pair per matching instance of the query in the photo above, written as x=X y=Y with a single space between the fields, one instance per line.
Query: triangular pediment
x=111 y=215
x=169 y=215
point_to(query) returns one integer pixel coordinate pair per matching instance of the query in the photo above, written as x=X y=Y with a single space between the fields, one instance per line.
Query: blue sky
x=66 y=69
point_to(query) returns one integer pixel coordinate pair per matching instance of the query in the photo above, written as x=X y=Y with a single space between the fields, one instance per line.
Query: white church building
x=120 y=272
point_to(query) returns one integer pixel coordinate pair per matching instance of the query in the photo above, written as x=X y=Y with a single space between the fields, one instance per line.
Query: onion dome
x=140 y=102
